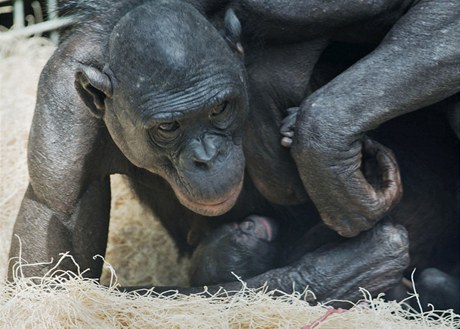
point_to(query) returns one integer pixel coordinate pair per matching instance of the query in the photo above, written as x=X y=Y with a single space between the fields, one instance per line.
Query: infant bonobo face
x=247 y=248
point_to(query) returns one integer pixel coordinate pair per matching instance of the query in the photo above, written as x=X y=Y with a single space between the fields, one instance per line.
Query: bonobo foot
x=375 y=260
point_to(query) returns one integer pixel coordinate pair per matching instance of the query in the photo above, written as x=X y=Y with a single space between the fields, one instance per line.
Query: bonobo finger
x=391 y=179
x=365 y=204
x=288 y=133
x=287 y=127
x=348 y=225
x=392 y=186
x=286 y=142
x=288 y=123
x=290 y=120
x=370 y=146
x=292 y=110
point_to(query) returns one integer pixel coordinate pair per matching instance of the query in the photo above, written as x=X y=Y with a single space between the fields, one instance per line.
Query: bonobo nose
x=204 y=159
x=205 y=151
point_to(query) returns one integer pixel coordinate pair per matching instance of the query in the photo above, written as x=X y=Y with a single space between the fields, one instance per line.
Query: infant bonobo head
x=246 y=249
x=173 y=96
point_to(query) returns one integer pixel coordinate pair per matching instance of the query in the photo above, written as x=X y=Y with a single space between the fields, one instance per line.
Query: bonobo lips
x=214 y=207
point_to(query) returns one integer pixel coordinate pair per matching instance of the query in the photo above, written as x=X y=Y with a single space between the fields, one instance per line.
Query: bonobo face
x=246 y=249
x=178 y=102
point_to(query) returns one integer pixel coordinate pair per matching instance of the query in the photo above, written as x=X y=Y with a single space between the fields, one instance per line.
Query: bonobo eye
x=166 y=131
x=247 y=226
x=169 y=126
x=219 y=109
x=222 y=115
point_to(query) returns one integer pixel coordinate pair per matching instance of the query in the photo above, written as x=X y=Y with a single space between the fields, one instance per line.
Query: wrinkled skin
x=160 y=92
x=251 y=247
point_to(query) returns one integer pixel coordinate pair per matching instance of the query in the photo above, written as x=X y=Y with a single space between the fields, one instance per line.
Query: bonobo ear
x=93 y=86
x=232 y=31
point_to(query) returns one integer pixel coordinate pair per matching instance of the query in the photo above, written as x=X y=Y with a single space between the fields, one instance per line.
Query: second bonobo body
x=427 y=210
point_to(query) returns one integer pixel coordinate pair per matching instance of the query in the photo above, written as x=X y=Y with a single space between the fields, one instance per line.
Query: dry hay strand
x=67 y=300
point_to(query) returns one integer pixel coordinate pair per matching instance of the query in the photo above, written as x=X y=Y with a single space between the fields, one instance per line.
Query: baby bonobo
x=246 y=249
x=249 y=248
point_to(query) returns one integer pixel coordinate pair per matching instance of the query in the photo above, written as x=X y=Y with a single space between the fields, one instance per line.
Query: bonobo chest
x=278 y=79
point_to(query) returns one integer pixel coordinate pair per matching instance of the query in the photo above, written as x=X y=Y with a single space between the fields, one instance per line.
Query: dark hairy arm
x=66 y=206
x=417 y=64
x=308 y=18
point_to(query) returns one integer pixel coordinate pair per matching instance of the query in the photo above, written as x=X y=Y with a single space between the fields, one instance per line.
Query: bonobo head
x=173 y=96
x=246 y=249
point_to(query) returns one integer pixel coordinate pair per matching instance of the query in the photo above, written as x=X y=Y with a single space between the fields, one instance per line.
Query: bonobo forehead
x=163 y=49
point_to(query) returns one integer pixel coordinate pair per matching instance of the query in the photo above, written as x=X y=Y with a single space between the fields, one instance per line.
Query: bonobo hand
x=330 y=164
x=287 y=127
x=375 y=260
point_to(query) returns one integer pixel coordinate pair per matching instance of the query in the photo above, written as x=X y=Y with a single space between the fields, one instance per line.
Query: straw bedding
x=139 y=251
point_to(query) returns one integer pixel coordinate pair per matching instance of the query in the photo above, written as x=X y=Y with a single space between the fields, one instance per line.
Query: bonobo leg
x=335 y=271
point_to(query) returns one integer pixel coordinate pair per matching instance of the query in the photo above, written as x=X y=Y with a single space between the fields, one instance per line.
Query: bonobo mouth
x=213 y=207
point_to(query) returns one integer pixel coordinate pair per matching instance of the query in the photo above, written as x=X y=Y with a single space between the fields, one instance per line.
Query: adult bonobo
x=167 y=96
x=153 y=90
x=155 y=93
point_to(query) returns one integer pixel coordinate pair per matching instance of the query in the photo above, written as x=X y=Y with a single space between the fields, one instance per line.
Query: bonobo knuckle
x=393 y=236
x=375 y=207
x=348 y=225
x=348 y=232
